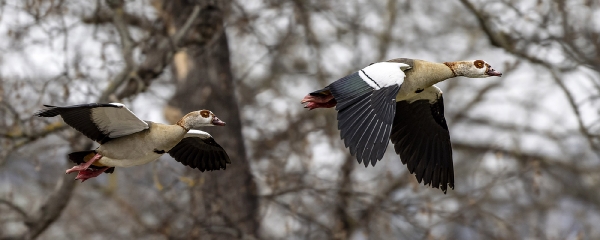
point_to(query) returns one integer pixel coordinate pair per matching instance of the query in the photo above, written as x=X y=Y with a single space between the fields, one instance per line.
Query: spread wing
x=199 y=150
x=421 y=138
x=365 y=115
x=100 y=122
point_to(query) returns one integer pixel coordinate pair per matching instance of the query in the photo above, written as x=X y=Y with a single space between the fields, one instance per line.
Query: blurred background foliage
x=526 y=146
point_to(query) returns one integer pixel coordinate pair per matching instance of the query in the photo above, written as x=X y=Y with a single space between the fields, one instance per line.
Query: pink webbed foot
x=85 y=172
x=320 y=101
x=84 y=166
x=89 y=173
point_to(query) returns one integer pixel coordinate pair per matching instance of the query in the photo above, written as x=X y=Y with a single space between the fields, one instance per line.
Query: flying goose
x=125 y=140
x=397 y=100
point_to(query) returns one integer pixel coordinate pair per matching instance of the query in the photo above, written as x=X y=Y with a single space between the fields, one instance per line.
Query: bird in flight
x=397 y=100
x=125 y=140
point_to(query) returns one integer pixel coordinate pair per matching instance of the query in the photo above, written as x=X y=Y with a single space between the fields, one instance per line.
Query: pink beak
x=492 y=72
x=217 y=122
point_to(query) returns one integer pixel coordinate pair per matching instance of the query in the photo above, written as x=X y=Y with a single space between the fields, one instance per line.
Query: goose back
x=421 y=75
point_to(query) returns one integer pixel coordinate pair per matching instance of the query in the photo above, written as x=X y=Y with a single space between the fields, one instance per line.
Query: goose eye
x=204 y=113
x=479 y=63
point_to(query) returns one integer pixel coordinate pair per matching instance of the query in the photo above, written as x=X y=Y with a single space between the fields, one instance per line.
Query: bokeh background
x=526 y=146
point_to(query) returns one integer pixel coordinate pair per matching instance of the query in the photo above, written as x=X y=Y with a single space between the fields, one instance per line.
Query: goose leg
x=89 y=173
x=86 y=165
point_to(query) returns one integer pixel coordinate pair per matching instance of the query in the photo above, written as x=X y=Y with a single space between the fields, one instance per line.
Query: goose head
x=201 y=118
x=474 y=69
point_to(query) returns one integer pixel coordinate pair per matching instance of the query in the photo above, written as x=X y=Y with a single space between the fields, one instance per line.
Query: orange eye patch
x=204 y=113
x=479 y=63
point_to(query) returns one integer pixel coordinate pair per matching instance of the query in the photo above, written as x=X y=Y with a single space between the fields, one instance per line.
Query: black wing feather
x=80 y=118
x=202 y=164
x=351 y=113
x=356 y=118
x=422 y=159
x=352 y=117
x=363 y=135
x=365 y=116
x=421 y=138
x=373 y=153
x=199 y=153
x=186 y=154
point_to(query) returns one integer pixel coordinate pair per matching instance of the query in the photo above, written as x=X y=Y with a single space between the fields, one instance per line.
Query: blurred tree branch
x=14 y=207
x=157 y=59
x=515 y=173
x=504 y=41
x=57 y=200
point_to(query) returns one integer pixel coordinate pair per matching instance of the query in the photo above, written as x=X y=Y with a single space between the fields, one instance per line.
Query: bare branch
x=158 y=59
x=105 y=16
x=14 y=207
x=51 y=209
x=185 y=28
x=502 y=40
x=127 y=46
x=582 y=127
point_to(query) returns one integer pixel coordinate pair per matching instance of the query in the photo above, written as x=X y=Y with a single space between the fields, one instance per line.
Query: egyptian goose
x=397 y=100
x=125 y=140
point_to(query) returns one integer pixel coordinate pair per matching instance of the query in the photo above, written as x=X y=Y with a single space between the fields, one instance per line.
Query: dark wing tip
x=50 y=111
x=422 y=140
x=202 y=154
x=217 y=153
x=365 y=124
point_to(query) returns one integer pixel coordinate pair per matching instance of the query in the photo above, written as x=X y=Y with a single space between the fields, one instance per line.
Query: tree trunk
x=204 y=81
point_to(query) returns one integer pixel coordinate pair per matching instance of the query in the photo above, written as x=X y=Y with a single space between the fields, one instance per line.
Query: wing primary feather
x=386 y=114
x=185 y=155
x=210 y=162
x=200 y=151
x=197 y=158
x=431 y=166
x=348 y=119
x=378 y=147
x=349 y=132
x=365 y=116
x=420 y=136
x=367 y=142
x=358 y=131
x=435 y=181
x=444 y=179
x=223 y=159
x=364 y=134
x=203 y=162
x=424 y=160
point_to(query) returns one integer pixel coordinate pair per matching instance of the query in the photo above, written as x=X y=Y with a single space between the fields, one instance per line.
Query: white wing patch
x=117 y=122
x=198 y=134
x=383 y=74
x=120 y=105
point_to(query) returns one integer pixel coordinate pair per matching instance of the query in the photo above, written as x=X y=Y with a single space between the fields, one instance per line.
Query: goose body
x=397 y=100
x=141 y=147
x=125 y=140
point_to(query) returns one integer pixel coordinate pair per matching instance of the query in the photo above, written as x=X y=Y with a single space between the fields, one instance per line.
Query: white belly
x=129 y=162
